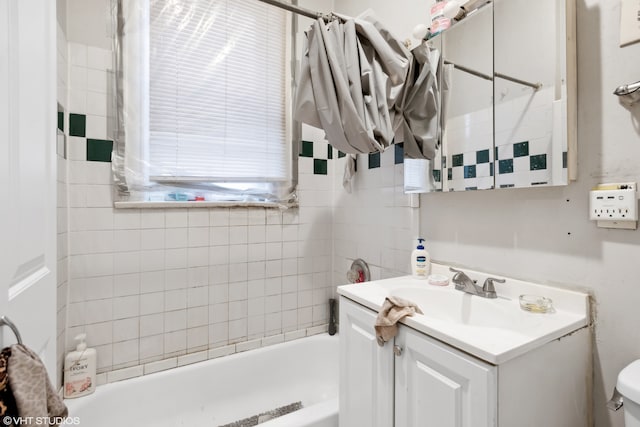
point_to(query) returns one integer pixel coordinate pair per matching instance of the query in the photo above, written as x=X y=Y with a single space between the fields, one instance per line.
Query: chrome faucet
x=465 y=284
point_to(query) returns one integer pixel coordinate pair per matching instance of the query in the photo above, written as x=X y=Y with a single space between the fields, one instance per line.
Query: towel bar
x=4 y=320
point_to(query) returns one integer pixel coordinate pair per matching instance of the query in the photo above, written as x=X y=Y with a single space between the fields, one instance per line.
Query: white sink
x=495 y=330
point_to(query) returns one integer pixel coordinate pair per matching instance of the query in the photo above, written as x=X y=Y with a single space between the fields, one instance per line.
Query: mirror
x=530 y=93
x=467 y=52
x=509 y=111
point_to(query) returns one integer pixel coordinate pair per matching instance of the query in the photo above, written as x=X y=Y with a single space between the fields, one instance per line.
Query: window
x=206 y=98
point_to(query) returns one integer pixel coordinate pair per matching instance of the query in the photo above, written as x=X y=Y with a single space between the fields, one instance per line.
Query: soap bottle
x=420 y=261
x=80 y=370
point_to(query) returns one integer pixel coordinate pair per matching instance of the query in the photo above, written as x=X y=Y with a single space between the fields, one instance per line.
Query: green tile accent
x=306 y=149
x=61 y=121
x=449 y=174
x=505 y=166
x=470 y=171
x=437 y=176
x=538 y=162
x=340 y=154
x=329 y=152
x=564 y=160
x=319 y=167
x=457 y=160
x=491 y=166
x=521 y=149
x=374 y=160
x=99 y=150
x=482 y=156
x=398 y=153
x=495 y=156
x=77 y=124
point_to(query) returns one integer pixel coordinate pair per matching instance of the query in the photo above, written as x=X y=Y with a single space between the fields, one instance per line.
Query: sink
x=495 y=330
x=445 y=304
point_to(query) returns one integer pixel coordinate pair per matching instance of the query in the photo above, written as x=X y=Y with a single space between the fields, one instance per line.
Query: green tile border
x=77 y=125
x=306 y=148
x=320 y=167
x=374 y=160
x=398 y=153
x=99 y=150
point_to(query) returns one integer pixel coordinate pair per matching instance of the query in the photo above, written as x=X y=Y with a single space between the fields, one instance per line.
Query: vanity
x=468 y=361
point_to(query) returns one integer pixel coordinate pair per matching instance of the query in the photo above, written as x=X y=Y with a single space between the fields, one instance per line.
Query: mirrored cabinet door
x=530 y=93
x=468 y=103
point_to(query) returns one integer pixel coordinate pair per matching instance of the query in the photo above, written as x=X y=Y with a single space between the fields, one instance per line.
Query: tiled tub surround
x=154 y=284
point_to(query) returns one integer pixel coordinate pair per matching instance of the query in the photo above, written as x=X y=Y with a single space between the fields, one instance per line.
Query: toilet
x=629 y=387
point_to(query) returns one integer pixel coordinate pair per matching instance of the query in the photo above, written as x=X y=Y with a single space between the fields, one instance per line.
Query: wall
x=62 y=201
x=375 y=221
x=164 y=286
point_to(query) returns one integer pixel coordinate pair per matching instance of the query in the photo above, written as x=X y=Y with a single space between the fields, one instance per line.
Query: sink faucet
x=465 y=284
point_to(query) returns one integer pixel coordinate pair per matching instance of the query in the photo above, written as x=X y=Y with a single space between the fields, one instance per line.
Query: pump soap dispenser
x=420 y=261
x=80 y=370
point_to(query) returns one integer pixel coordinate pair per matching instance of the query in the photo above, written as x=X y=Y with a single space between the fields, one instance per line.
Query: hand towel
x=31 y=388
x=392 y=311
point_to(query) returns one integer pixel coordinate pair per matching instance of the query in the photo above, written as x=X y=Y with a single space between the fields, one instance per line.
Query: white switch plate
x=614 y=205
x=629 y=22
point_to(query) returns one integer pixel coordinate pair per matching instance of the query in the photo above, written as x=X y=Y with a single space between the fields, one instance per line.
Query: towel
x=392 y=311
x=7 y=402
x=31 y=388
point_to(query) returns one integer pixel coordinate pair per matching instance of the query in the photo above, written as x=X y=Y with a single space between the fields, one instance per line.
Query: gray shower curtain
x=364 y=88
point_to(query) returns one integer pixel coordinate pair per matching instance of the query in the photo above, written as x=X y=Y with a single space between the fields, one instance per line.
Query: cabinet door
x=439 y=386
x=366 y=370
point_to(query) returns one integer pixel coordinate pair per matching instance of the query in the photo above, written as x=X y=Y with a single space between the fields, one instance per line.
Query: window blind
x=218 y=91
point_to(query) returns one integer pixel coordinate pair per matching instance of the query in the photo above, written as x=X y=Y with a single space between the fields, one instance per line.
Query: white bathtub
x=224 y=390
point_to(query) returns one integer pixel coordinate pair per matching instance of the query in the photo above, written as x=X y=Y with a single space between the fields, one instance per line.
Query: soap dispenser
x=420 y=261
x=80 y=370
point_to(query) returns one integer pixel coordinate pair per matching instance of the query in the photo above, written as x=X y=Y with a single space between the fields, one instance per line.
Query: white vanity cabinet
x=425 y=382
x=366 y=370
x=437 y=385
x=417 y=380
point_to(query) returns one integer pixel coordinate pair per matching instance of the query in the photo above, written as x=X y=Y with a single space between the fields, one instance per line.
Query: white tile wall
x=63 y=244
x=156 y=285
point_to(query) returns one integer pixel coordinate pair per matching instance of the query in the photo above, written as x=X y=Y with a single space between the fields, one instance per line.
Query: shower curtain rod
x=295 y=9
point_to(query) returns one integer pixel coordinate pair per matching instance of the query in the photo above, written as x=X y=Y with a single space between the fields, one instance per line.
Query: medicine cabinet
x=509 y=100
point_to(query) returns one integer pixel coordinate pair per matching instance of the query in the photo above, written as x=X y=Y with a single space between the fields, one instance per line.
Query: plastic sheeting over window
x=364 y=88
x=204 y=108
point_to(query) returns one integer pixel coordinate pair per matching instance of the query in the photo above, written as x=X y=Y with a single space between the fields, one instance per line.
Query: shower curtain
x=364 y=88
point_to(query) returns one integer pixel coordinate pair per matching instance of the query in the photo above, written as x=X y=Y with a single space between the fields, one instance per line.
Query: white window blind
x=218 y=91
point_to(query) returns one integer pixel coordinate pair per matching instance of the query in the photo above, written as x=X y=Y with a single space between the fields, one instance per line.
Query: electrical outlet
x=614 y=205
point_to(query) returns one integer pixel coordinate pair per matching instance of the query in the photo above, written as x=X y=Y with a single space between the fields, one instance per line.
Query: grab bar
x=4 y=321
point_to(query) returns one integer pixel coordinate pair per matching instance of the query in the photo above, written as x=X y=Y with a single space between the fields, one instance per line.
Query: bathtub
x=224 y=390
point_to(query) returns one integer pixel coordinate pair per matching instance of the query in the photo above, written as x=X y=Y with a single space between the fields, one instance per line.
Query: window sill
x=171 y=205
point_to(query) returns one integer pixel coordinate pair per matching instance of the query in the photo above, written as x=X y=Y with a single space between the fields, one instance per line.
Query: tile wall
x=62 y=210
x=154 y=284
x=375 y=221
